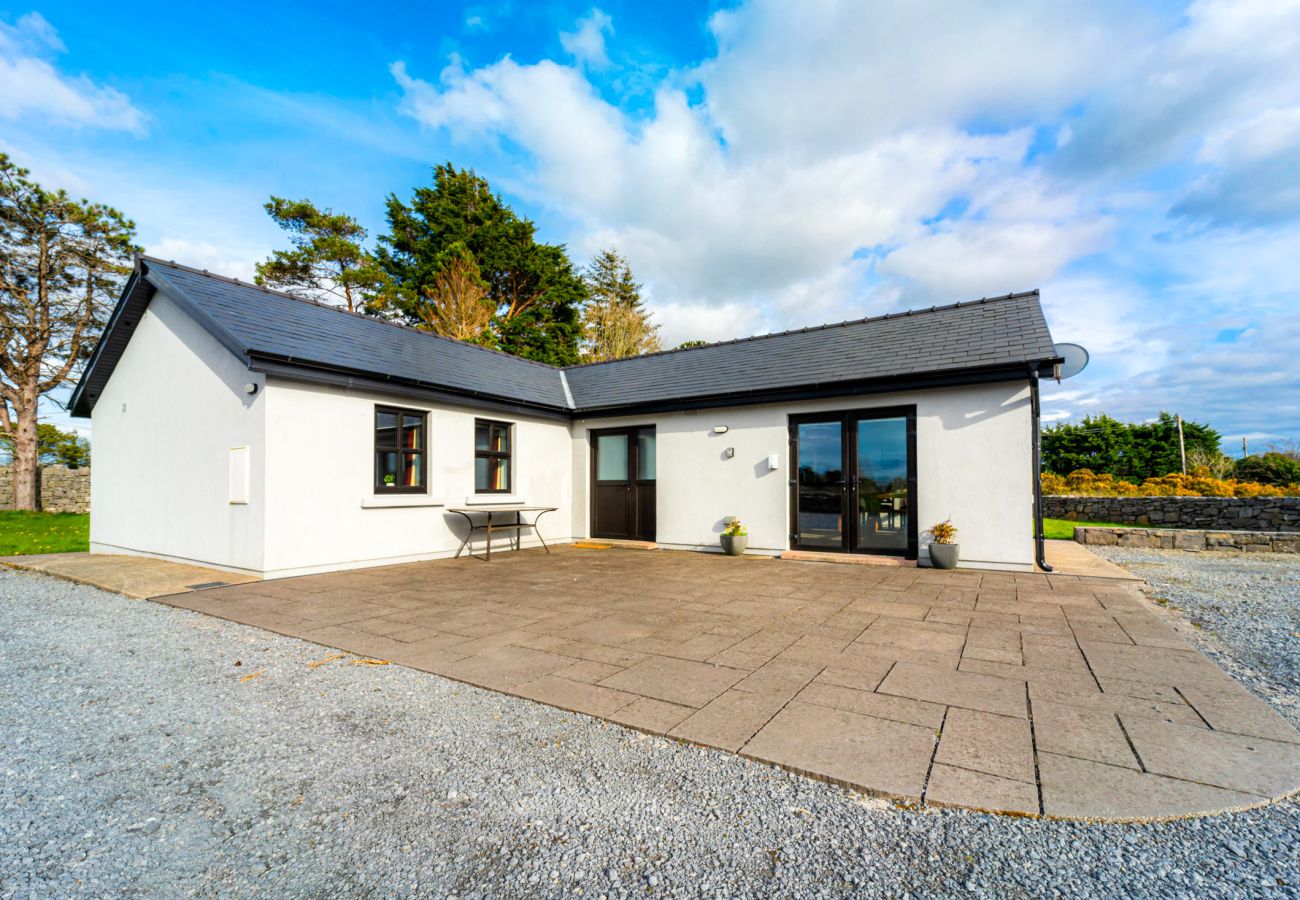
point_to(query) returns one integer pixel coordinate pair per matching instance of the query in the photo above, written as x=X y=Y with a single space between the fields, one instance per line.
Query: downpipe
x=1036 y=435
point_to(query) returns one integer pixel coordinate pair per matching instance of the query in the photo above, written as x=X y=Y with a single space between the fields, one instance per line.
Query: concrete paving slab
x=1237 y=762
x=730 y=720
x=983 y=742
x=142 y=577
x=880 y=706
x=1082 y=789
x=870 y=754
x=951 y=786
x=963 y=689
x=1070 y=558
x=680 y=681
x=1082 y=731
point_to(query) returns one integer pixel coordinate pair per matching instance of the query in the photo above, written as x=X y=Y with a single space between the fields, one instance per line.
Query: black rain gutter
x=1036 y=437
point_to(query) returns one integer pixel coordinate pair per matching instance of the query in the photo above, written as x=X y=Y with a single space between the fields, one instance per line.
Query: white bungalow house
x=253 y=431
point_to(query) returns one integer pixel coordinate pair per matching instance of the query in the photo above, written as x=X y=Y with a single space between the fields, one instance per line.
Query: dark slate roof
x=993 y=335
x=983 y=334
x=252 y=321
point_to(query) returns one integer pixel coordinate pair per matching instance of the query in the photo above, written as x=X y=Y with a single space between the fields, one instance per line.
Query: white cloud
x=204 y=255
x=31 y=86
x=839 y=160
x=586 y=44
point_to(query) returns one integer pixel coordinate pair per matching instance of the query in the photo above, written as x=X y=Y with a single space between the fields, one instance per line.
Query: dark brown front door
x=623 y=483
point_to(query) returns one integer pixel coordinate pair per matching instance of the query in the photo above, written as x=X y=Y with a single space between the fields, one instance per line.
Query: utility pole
x=1182 y=449
x=1243 y=447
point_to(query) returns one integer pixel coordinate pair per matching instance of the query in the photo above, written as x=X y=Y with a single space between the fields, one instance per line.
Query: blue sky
x=764 y=165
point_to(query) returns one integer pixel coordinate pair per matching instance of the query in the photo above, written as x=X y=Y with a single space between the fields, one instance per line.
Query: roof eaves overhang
x=315 y=372
x=131 y=305
x=1020 y=371
x=138 y=293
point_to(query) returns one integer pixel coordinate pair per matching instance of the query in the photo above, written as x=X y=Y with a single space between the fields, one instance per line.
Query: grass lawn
x=1063 y=529
x=22 y=533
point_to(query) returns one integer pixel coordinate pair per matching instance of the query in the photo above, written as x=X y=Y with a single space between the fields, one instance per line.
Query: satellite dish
x=1076 y=359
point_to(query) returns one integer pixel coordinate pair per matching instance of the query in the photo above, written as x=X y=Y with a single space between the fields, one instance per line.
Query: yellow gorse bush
x=1197 y=483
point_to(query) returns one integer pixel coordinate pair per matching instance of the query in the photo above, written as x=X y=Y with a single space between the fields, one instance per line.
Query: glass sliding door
x=854 y=483
x=883 y=493
x=819 y=513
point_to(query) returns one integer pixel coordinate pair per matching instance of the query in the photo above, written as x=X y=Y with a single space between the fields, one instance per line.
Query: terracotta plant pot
x=943 y=556
x=734 y=544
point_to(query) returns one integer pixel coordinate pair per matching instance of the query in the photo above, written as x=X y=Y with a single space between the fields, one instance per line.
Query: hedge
x=1086 y=483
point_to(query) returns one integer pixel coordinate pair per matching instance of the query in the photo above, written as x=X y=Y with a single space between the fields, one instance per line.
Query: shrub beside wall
x=62 y=489
x=1085 y=483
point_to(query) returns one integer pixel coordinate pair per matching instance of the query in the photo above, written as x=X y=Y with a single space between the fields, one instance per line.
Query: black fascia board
x=991 y=375
x=311 y=372
x=133 y=301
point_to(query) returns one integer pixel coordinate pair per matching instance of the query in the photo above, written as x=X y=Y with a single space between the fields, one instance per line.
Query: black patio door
x=623 y=483
x=853 y=481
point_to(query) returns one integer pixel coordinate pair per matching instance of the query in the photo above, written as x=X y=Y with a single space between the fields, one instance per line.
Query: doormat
x=587 y=545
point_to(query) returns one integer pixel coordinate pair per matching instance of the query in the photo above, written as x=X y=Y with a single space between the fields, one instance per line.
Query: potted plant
x=943 y=552
x=735 y=536
x=390 y=480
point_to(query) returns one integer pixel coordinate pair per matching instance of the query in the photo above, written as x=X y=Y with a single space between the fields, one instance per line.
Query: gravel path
x=138 y=759
x=1243 y=610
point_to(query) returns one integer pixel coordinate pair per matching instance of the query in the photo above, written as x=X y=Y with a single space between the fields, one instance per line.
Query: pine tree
x=615 y=322
x=328 y=263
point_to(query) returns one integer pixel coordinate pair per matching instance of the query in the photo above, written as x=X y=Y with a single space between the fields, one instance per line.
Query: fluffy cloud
x=586 y=43
x=30 y=85
x=705 y=223
x=836 y=159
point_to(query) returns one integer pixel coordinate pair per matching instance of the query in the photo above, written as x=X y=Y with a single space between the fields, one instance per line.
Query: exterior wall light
x=720 y=429
x=731 y=452
x=250 y=388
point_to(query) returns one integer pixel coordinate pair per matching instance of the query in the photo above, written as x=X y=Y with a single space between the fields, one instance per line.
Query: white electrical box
x=239 y=470
x=773 y=463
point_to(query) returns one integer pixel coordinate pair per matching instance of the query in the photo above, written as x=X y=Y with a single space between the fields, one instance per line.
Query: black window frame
x=401 y=412
x=490 y=455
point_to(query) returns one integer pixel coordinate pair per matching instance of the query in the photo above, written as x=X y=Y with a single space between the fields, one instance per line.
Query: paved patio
x=1023 y=693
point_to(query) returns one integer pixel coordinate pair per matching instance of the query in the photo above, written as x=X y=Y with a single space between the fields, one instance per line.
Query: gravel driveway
x=140 y=756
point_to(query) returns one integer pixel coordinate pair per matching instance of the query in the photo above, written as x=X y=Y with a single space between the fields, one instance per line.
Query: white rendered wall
x=164 y=427
x=973 y=465
x=322 y=508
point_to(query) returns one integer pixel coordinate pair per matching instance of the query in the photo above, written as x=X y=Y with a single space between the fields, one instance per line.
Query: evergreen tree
x=1135 y=451
x=534 y=290
x=62 y=264
x=328 y=262
x=614 y=319
x=457 y=305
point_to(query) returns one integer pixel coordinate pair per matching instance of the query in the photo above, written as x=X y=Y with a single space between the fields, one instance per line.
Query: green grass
x=23 y=533
x=1063 y=529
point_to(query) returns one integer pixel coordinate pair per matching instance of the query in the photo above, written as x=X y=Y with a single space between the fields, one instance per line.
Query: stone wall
x=62 y=489
x=1224 y=513
x=1190 y=539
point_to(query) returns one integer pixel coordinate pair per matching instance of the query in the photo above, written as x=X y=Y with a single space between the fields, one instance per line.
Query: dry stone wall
x=62 y=489
x=1189 y=539
x=1218 y=513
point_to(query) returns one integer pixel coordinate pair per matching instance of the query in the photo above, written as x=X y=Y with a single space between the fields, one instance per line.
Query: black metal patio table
x=489 y=526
